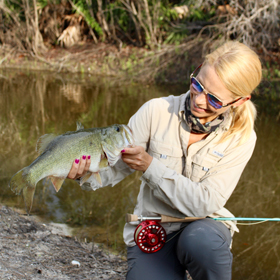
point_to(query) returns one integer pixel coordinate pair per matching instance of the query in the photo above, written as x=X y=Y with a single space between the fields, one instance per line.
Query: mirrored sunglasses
x=212 y=99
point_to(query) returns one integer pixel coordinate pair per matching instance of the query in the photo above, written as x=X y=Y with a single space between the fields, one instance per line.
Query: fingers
x=133 y=151
x=137 y=158
x=74 y=169
x=79 y=167
x=88 y=161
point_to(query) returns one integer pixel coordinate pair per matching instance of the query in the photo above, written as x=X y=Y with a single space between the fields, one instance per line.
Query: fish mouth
x=129 y=129
x=128 y=136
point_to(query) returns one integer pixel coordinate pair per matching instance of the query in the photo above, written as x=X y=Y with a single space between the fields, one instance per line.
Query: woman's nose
x=200 y=98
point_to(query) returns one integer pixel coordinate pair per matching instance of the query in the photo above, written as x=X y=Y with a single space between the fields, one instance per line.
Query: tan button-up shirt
x=181 y=181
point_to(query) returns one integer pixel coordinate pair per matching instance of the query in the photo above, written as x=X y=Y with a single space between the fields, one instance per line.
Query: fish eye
x=117 y=129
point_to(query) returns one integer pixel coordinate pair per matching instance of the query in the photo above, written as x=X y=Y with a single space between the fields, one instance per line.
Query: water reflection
x=32 y=104
x=256 y=248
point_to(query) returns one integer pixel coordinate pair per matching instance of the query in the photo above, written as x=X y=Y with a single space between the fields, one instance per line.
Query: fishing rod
x=150 y=236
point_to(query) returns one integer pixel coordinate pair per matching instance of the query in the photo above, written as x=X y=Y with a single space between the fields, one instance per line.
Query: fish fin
x=22 y=182
x=111 y=157
x=28 y=194
x=85 y=178
x=103 y=162
x=43 y=142
x=79 y=126
x=97 y=177
x=57 y=182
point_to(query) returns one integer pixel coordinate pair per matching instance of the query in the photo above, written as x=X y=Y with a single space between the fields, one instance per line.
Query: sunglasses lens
x=213 y=101
x=196 y=85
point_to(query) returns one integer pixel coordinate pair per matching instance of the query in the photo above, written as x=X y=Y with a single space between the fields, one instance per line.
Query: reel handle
x=162 y=218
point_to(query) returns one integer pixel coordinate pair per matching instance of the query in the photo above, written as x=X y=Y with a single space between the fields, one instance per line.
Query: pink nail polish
x=88 y=157
x=77 y=161
x=122 y=151
x=84 y=157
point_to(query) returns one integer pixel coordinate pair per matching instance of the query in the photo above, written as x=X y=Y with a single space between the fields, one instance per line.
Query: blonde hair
x=239 y=69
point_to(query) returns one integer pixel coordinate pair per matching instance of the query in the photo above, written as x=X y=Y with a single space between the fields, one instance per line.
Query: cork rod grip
x=131 y=218
x=164 y=219
x=167 y=219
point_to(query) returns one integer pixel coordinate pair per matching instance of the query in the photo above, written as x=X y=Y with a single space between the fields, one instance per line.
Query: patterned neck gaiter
x=194 y=122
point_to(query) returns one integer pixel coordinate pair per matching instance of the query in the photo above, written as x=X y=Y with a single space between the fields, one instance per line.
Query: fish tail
x=17 y=182
x=23 y=182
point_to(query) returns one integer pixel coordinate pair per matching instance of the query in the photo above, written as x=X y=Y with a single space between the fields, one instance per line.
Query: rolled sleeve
x=154 y=174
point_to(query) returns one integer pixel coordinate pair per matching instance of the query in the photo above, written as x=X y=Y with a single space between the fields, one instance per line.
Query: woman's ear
x=242 y=100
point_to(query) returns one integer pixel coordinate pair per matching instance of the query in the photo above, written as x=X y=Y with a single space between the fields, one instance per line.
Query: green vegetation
x=148 y=23
x=164 y=32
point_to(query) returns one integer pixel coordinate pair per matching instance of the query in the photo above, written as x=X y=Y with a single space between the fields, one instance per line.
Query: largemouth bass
x=57 y=154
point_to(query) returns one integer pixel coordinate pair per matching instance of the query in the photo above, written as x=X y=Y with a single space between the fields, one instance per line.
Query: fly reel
x=150 y=236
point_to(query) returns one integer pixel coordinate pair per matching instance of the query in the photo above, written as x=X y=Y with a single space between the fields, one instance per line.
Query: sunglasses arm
x=195 y=70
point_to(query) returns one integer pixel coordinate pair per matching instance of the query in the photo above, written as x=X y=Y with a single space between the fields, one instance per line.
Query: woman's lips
x=196 y=108
x=200 y=110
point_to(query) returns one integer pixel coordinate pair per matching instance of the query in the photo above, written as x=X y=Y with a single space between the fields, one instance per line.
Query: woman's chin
x=203 y=116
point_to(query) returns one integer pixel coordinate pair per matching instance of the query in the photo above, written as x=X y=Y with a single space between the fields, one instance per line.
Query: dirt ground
x=30 y=249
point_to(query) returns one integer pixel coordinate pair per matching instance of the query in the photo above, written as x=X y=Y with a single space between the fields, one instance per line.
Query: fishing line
x=246 y=219
x=175 y=235
x=258 y=220
x=251 y=224
x=150 y=236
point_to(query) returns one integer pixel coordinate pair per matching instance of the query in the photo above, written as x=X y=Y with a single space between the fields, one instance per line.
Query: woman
x=192 y=150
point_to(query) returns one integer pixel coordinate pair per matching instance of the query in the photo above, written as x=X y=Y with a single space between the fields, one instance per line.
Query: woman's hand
x=79 y=167
x=137 y=158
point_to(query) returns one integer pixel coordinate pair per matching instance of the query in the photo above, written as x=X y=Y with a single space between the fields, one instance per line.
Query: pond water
x=36 y=103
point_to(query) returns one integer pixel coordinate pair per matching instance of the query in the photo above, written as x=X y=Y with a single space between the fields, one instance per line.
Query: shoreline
x=31 y=249
x=95 y=59
x=128 y=64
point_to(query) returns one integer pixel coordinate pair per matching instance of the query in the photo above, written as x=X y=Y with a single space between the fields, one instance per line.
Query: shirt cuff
x=153 y=175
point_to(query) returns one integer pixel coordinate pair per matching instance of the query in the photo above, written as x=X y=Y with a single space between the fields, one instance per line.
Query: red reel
x=150 y=236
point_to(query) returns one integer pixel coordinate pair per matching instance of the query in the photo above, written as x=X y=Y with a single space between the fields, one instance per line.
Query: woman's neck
x=195 y=137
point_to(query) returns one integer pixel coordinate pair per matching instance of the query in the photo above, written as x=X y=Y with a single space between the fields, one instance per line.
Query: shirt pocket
x=170 y=155
x=203 y=165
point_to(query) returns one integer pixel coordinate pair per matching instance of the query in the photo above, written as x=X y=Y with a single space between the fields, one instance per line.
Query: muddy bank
x=101 y=59
x=33 y=250
x=169 y=64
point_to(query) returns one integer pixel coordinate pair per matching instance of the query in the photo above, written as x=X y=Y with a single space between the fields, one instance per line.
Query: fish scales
x=104 y=145
x=47 y=164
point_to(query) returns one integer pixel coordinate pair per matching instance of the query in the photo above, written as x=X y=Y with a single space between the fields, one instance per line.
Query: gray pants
x=202 y=248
